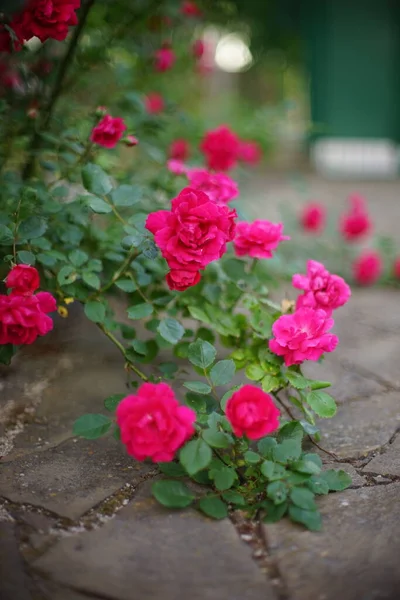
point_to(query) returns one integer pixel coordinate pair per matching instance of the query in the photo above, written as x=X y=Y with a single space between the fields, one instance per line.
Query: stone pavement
x=77 y=520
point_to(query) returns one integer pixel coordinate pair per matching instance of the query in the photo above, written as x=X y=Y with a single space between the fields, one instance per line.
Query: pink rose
x=179 y=150
x=164 y=59
x=258 y=239
x=108 y=132
x=367 y=268
x=198 y=48
x=177 y=167
x=190 y=9
x=321 y=288
x=46 y=19
x=303 y=336
x=23 y=318
x=181 y=280
x=194 y=232
x=153 y=424
x=23 y=279
x=356 y=222
x=154 y=103
x=221 y=148
x=396 y=268
x=250 y=152
x=252 y=412
x=219 y=187
x=313 y=217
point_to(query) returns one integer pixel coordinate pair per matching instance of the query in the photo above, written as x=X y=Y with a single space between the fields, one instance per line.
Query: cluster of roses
x=44 y=19
x=24 y=313
x=354 y=225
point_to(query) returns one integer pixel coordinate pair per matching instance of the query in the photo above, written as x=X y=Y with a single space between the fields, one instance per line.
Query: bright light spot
x=232 y=54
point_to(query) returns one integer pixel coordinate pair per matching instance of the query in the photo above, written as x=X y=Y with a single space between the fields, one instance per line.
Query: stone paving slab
x=14 y=584
x=362 y=425
x=355 y=557
x=71 y=478
x=161 y=555
x=387 y=463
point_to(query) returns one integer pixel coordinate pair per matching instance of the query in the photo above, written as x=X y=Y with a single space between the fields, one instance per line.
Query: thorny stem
x=121 y=348
x=56 y=91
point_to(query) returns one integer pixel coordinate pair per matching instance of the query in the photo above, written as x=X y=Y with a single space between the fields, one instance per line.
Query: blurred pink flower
x=250 y=152
x=218 y=186
x=313 y=217
x=179 y=149
x=258 y=239
x=154 y=103
x=356 y=222
x=164 y=59
x=221 y=148
x=367 y=268
x=321 y=288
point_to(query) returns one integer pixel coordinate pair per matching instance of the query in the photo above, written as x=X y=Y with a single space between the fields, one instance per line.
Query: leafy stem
x=121 y=348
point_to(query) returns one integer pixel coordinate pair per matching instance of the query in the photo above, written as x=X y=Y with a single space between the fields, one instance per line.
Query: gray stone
x=14 y=583
x=387 y=463
x=47 y=590
x=355 y=557
x=357 y=480
x=378 y=356
x=362 y=425
x=157 y=554
x=72 y=477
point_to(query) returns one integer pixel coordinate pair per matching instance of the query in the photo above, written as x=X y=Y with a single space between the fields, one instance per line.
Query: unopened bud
x=101 y=111
x=131 y=140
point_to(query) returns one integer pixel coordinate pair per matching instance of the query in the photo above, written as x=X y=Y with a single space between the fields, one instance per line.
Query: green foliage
x=195 y=456
x=91 y=426
x=172 y=494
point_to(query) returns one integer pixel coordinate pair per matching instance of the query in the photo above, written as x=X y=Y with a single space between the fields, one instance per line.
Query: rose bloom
x=313 y=217
x=108 y=132
x=219 y=187
x=252 y=412
x=164 y=59
x=194 y=232
x=356 y=222
x=396 y=268
x=179 y=149
x=154 y=103
x=24 y=318
x=221 y=148
x=153 y=424
x=367 y=268
x=250 y=152
x=303 y=336
x=321 y=288
x=23 y=279
x=190 y=9
x=46 y=19
x=258 y=239
x=198 y=48
x=177 y=167
x=180 y=280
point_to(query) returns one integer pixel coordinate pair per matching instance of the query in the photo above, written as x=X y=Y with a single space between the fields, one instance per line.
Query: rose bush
x=94 y=217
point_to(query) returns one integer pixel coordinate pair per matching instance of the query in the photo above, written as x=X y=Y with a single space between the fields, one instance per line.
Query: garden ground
x=76 y=517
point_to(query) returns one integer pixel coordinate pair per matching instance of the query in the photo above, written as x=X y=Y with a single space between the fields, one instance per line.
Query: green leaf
x=287 y=451
x=172 y=494
x=252 y=458
x=33 y=227
x=126 y=195
x=315 y=458
x=321 y=403
x=291 y=431
x=213 y=507
x=336 y=480
x=6 y=235
x=140 y=311
x=66 y=275
x=270 y=383
x=217 y=439
x=168 y=369
x=234 y=498
x=224 y=478
x=195 y=456
x=126 y=285
x=197 y=386
x=306 y=466
x=99 y=206
x=277 y=492
x=78 y=257
x=222 y=372
x=199 y=314
x=25 y=257
x=298 y=381
x=254 y=372
x=172 y=469
x=267 y=468
x=95 y=180
x=266 y=446
x=91 y=426
x=303 y=497
x=95 y=311
x=308 y=428
x=274 y=512
x=171 y=330
x=7 y=351
x=91 y=279
x=319 y=385
x=226 y=397
x=310 y=518
x=196 y=402
x=112 y=402
x=318 y=485
x=201 y=353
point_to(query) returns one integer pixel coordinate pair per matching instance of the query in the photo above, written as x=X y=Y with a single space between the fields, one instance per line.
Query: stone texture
x=14 y=584
x=355 y=557
x=387 y=463
x=362 y=425
x=378 y=355
x=160 y=554
x=72 y=477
